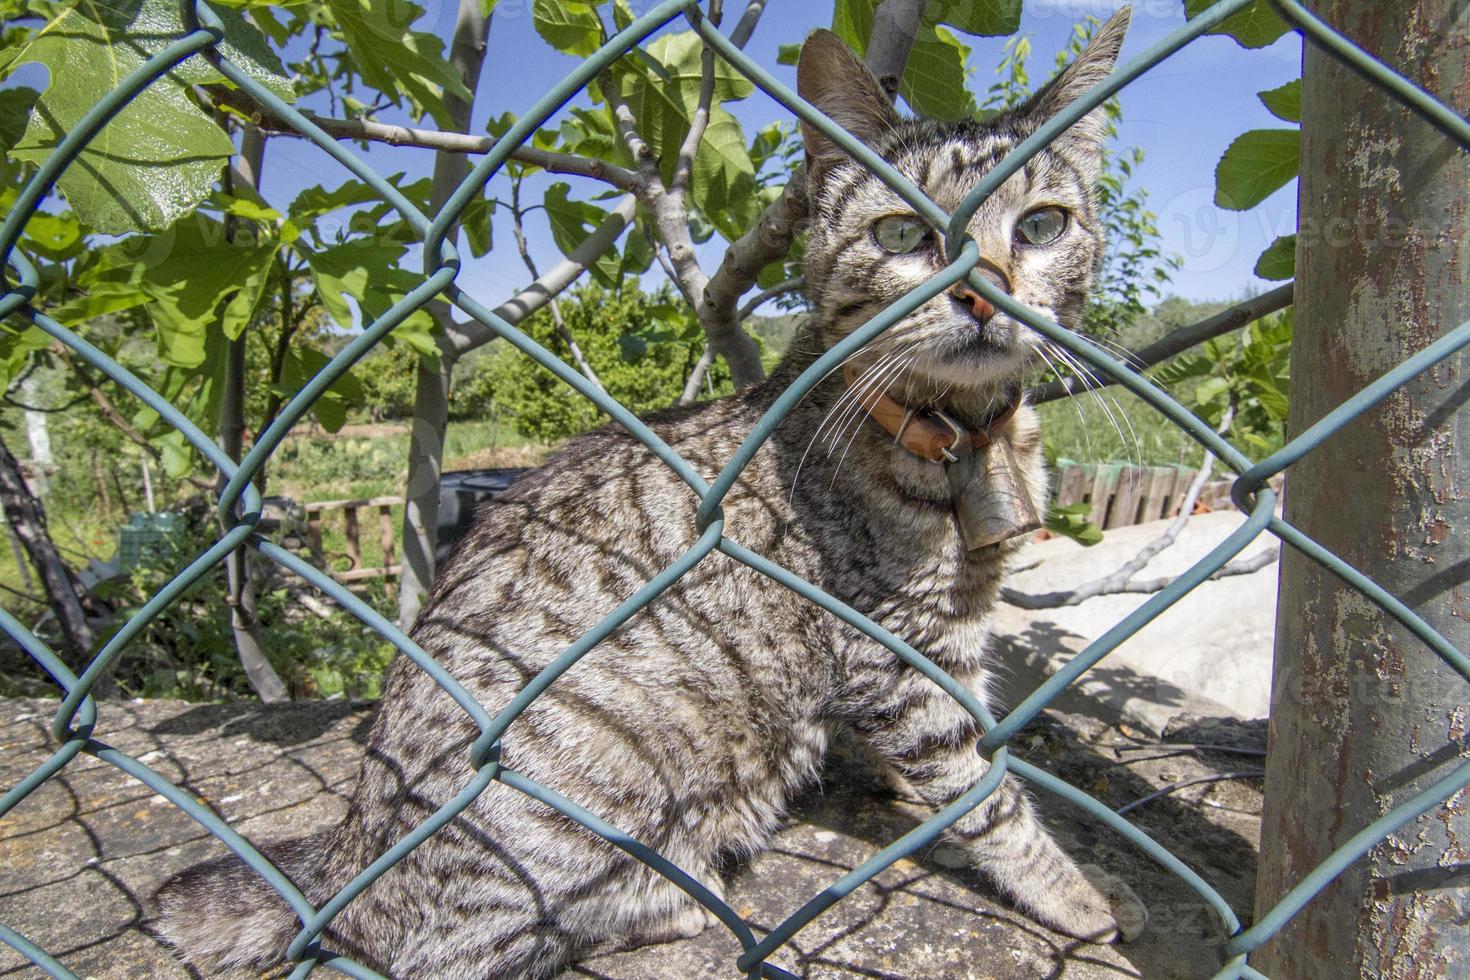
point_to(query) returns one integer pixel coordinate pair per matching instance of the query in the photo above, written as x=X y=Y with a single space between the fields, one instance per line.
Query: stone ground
x=81 y=858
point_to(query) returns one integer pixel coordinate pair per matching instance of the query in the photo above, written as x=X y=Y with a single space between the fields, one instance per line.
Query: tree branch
x=432 y=382
x=469 y=334
x=1176 y=342
x=684 y=165
x=556 y=318
x=788 y=286
x=430 y=139
x=746 y=26
x=64 y=595
x=109 y=412
x=895 y=26
x=696 y=377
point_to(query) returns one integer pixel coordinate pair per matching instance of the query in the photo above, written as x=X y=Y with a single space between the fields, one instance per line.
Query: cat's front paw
x=1093 y=905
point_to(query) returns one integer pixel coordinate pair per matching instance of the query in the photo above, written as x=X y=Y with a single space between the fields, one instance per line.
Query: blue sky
x=1183 y=114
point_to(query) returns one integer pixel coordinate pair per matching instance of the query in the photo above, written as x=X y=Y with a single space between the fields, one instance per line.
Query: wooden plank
x=314 y=532
x=1104 y=481
x=385 y=532
x=1126 y=496
x=354 y=549
x=1156 y=494
x=321 y=505
x=1072 y=482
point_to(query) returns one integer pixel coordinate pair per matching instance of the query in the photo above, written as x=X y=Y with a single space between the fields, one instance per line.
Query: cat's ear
x=830 y=77
x=1093 y=65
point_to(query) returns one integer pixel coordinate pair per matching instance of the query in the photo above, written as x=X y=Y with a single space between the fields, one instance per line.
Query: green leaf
x=1071 y=522
x=1285 y=101
x=623 y=15
x=664 y=108
x=16 y=348
x=632 y=346
x=1278 y=261
x=852 y=20
x=300 y=366
x=934 y=81
x=788 y=54
x=570 y=26
x=571 y=222
x=196 y=281
x=987 y=18
x=475 y=220
x=370 y=271
x=394 y=59
x=1258 y=163
x=724 y=176
x=58 y=237
x=160 y=156
x=1254 y=27
x=15 y=105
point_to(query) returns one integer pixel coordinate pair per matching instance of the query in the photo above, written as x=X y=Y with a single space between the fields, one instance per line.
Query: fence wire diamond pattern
x=239 y=505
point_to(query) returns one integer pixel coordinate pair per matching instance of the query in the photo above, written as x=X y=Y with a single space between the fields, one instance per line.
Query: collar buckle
x=959 y=435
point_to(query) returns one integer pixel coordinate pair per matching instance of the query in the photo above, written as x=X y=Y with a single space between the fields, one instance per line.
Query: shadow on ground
x=82 y=856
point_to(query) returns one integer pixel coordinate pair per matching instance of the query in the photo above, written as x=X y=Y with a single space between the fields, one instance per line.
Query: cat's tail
x=221 y=914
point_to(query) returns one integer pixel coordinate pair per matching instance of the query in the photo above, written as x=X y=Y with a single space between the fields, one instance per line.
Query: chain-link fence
x=239 y=505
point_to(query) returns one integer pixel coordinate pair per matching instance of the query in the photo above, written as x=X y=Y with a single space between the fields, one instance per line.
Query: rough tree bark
x=431 y=395
x=1363 y=715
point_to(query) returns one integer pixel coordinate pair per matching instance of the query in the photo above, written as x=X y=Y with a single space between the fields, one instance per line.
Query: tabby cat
x=691 y=726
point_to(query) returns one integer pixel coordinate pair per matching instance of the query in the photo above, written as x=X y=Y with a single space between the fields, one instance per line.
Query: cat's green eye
x=1042 y=226
x=900 y=233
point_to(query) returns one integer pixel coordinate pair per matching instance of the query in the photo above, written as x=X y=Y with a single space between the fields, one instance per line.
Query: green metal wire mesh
x=239 y=504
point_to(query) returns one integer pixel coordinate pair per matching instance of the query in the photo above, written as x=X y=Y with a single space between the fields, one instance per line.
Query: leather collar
x=930 y=433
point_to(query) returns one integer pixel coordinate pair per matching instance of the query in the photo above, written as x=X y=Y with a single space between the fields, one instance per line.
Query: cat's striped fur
x=692 y=725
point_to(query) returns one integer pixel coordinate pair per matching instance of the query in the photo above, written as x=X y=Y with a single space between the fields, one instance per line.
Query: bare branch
x=746 y=27
x=1175 y=787
x=791 y=285
x=431 y=139
x=1121 y=580
x=670 y=219
x=696 y=377
x=471 y=334
x=1176 y=342
x=684 y=166
x=519 y=231
x=895 y=25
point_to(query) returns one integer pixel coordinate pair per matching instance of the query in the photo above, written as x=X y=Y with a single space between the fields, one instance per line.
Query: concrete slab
x=1210 y=653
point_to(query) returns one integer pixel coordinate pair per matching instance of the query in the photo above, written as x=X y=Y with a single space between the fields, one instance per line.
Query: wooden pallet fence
x=1122 y=495
x=352 y=530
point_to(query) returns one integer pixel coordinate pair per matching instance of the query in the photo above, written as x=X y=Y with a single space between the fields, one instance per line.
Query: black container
x=460 y=493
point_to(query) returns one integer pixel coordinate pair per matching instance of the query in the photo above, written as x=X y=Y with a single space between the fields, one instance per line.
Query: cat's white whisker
x=859 y=426
x=856 y=394
x=1042 y=349
x=850 y=394
x=1093 y=386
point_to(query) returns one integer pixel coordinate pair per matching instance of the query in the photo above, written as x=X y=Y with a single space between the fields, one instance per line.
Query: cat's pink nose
x=978 y=304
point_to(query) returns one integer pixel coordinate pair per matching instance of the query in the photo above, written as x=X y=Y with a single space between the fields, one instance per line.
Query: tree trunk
x=244 y=618
x=27 y=519
x=431 y=396
x=1364 y=716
